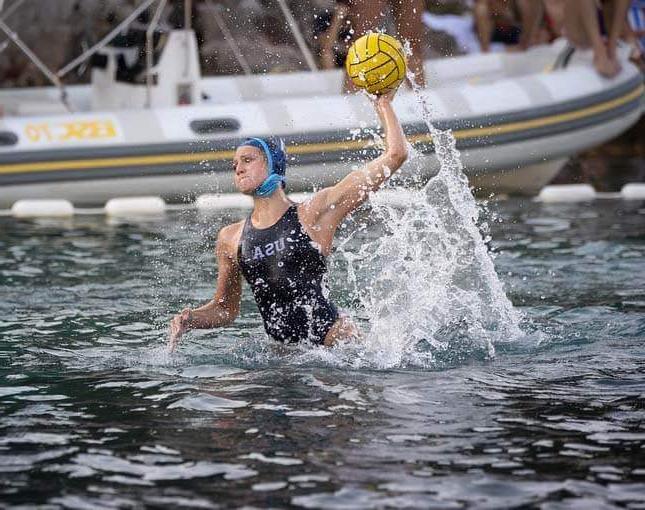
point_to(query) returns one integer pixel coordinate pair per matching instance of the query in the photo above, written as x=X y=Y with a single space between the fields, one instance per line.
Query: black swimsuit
x=286 y=270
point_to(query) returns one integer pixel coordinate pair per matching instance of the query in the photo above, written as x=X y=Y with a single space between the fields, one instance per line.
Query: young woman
x=281 y=248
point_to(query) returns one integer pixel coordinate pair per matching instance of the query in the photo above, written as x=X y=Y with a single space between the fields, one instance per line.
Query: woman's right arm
x=225 y=305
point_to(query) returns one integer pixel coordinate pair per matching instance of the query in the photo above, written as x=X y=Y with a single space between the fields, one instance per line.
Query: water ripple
x=96 y=414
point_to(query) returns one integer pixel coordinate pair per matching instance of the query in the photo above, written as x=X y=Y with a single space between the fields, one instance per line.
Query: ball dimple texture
x=376 y=63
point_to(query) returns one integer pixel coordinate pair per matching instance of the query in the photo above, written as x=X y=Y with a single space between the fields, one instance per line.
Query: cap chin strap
x=268 y=187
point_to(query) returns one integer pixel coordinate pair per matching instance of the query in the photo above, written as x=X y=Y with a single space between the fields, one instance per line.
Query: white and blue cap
x=276 y=156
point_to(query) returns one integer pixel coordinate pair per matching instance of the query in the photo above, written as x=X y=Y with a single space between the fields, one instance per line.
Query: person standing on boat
x=281 y=248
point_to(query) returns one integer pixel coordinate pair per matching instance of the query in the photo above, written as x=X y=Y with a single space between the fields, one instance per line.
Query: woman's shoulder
x=228 y=238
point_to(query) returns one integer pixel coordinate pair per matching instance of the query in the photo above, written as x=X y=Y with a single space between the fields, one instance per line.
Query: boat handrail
x=13 y=36
x=10 y=10
x=188 y=13
x=103 y=42
x=149 y=50
x=55 y=78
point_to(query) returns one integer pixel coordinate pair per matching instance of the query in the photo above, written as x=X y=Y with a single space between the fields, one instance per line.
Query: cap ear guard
x=279 y=157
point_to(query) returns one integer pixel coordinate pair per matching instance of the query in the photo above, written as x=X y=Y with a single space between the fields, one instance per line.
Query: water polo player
x=281 y=248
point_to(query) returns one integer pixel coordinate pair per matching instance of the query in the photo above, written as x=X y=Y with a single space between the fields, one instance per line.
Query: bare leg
x=617 y=25
x=329 y=37
x=371 y=15
x=635 y=54
x=532 y=13
x=407 y=14
x=555 y=11
x=483 y=24
x=582 y=30
x=366 y=15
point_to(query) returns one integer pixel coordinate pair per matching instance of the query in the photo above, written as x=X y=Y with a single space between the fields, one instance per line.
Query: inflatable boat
x=517 y=118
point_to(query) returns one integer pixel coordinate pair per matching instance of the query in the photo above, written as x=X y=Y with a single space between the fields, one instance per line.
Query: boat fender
x=38 y=208
x=135 y=206
x=300 y=197
x=633 y=191
x=567 y=193
x=211 y=201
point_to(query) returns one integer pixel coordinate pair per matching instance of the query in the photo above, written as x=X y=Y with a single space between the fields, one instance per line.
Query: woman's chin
x=245 y=190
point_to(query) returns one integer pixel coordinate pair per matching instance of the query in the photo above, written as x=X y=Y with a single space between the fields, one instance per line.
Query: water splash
x=434 y=297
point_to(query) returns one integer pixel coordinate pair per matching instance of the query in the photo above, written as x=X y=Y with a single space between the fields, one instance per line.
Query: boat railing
x=235 y=49
x=149 y=50
x=13 y=36
x=55 y=77
x=106 y=40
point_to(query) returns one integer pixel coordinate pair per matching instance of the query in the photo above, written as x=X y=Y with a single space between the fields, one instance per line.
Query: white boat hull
x=515 y=126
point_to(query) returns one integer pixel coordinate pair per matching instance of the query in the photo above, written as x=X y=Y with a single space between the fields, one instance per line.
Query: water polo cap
x=276 y=156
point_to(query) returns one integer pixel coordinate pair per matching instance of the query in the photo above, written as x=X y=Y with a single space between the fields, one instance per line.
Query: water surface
x=95 y=414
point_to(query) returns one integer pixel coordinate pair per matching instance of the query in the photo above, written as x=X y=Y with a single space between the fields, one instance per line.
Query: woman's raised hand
x=387 y=97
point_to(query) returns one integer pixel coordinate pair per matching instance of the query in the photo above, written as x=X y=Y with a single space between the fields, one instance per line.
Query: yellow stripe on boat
x=124 y=161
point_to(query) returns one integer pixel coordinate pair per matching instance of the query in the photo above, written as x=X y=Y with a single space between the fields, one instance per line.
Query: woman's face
x=250 y=169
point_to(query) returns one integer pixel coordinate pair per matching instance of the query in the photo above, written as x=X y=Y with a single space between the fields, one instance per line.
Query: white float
x=212 y=201
x=42 y=208
x=300 y=197
x=633 y=191
x=567 y=193
x=135 y=206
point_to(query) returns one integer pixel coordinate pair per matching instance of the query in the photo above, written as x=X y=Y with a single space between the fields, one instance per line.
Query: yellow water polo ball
x=376 y=63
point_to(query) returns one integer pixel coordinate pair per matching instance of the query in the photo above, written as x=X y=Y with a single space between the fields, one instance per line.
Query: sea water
x=95 y=414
